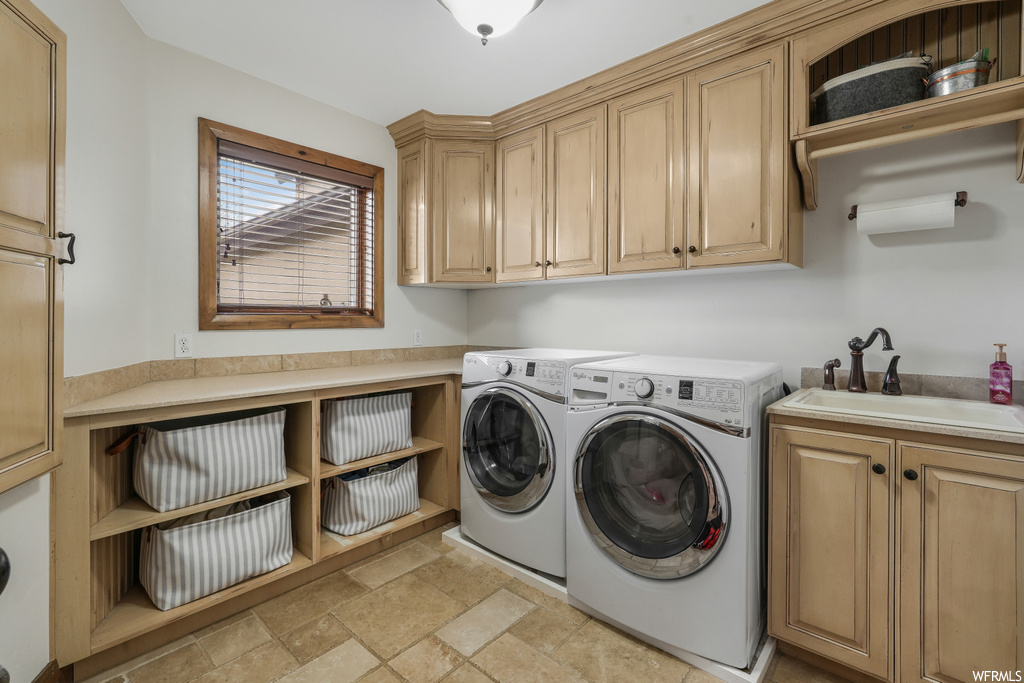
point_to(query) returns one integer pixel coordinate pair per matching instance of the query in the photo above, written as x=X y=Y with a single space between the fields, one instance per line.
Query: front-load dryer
x=664 y=532
x=513 y=470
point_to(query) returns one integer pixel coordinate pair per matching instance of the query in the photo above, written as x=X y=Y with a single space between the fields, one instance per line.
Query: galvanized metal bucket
x=958 y=77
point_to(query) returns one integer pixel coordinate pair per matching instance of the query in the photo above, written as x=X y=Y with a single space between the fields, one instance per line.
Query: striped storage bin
x=189 y=558
x=357 y=505
x=184 y=462
x=356 y=428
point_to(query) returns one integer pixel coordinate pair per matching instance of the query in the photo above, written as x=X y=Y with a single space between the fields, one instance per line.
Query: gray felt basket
x=879 y=86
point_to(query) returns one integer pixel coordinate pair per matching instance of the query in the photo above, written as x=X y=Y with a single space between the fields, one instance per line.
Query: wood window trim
x=209 y=317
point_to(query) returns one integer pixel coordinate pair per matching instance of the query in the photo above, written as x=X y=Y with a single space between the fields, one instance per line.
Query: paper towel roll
x=904 y=215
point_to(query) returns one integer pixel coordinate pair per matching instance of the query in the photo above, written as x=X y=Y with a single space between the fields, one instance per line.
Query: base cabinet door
x=463 y=211
x=962 y=564
x=830 y=516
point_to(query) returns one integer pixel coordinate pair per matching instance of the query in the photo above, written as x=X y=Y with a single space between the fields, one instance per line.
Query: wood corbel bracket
x=1020 y=151
x=809 y=172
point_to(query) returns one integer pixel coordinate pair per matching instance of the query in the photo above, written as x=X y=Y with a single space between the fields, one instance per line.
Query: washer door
x=506 y=450
x=652 y=500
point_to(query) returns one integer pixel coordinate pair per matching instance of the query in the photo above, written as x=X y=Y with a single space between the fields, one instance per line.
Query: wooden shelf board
x=419 y=445
x=985 y=105
x=136 y=613
x=135 y=513
x=333 y=544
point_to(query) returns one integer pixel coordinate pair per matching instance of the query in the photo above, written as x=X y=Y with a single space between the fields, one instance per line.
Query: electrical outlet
x=183 y=346
x=417 y=337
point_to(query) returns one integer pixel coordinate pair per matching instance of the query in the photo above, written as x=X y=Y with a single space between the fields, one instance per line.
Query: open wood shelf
x=135 y=513
x=333 y=544
x=419 y=445
x=136 y=613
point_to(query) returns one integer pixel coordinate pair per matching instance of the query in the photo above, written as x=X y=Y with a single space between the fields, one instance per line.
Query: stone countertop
x=780 y=408
x=204 y=389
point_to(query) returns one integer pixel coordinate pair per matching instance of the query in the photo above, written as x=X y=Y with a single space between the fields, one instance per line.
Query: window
x=289 y=237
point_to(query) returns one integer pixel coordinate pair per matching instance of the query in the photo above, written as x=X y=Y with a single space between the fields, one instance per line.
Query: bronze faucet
x=857 y=346
x=830 y=374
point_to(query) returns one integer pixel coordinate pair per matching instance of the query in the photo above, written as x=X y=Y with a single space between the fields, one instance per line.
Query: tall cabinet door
x=962 y=564
x=830 y=515
x=413 y=217
x=737 y=149
x=463 y=220
x=576 y=194
x=645 y=180
x=32 y=111
x=519 y=224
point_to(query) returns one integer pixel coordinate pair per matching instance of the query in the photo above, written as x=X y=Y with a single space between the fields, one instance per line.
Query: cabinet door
x=962 y=568
x=32 y=109
x=645 y=180
x=737 y=149
x=576 y=194
x=413 y=216
x=463 y=198
x=829 y=562
x=519 y=224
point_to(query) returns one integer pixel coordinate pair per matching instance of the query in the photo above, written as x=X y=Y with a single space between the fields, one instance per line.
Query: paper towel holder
x=961 y=200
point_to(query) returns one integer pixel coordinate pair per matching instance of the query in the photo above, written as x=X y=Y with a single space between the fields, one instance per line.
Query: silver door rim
x=693 y=558
x=534 y=493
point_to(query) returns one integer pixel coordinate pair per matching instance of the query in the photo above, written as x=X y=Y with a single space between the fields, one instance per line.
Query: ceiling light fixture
x=489 y=18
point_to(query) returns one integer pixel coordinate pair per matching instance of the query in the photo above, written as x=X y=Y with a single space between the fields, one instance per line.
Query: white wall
x=25 y=604
x=945 y=296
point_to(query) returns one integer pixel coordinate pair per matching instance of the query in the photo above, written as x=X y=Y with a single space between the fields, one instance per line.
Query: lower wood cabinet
x=900 y=559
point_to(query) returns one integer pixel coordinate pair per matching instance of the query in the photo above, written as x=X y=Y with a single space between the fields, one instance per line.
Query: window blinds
x=292 y=236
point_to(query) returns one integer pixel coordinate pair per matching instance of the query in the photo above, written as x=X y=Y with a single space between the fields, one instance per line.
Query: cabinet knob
x=487 y=269
x=536 y=264
x=878 y=468
x=910 y=474
x=547 y=263
x=676 y=250
x=692 y=249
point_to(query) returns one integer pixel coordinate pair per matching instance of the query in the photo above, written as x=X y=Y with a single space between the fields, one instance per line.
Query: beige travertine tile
x=262 y=665
x=179 y=368
x=433 y=540
x=347 y=662
x=543 y=630
x=380 y=675
x=398 y=614
x=376 y=356
x=223 y=623
x=234 y=640
x=475 y=628
x=476 y=585
x=441 y=572
x=182 y=664
x=316 y=361
x=237 y=365
x=394 y=565
x=510 y=660
x=552 y=604
x=305 y=603
x=137 y=662
x=465 y=559
x=374 y=558
x=428 y=661
x=96 y=384
x=605 y=655
x=698 y=676
x=790 y=670
x=315 y=638
x=467 y=673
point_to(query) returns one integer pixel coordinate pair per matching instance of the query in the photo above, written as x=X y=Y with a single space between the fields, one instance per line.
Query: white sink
x=944 y=411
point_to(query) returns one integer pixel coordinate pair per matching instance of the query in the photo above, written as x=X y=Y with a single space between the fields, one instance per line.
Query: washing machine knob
x=505 y=368
x=644 y=388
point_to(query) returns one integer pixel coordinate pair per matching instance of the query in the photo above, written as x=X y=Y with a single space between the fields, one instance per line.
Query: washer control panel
x=716 y=400
x=546 y=376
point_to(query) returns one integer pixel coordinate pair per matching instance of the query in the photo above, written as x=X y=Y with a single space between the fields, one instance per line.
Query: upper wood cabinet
x=576 y=194
x=742 y=192
x=519 y=216
x=463 y=211
x=32 y=70
x=645 y=180
x=413 y=213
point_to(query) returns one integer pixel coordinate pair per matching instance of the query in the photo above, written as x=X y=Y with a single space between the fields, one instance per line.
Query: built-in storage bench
x=102 y=615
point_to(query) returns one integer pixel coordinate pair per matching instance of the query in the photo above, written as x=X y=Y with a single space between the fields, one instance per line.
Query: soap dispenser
x=1000 y=379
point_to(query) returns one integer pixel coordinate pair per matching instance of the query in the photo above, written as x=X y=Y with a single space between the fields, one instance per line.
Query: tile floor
x=420 y=612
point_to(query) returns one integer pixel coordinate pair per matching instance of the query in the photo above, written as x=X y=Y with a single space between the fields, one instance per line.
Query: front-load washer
x=664 y=522
x=513 y=469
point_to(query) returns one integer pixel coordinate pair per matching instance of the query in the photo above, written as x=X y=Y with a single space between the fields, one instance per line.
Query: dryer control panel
x=543 y=375
x=715 y=400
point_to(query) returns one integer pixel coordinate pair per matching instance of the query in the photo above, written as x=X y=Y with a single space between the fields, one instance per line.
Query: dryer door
x=507 y=451
x=650 y=496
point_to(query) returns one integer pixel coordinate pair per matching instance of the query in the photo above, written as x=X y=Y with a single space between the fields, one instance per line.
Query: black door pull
x=71 y=248
x=5 y=570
